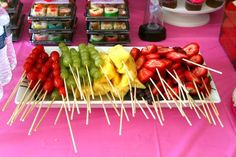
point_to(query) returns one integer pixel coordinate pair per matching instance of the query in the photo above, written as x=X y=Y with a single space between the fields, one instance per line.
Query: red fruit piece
x=175 y=56
x=152 y=56
x=149 y=49
x=191 y=77
x=135 y=53
x=159 y=86
x=139 y=62
x=191 y=88
x=42 y=77
x=48 y=86
x=54 y=56
x=32 y=75
x=164 y=50
x=173 y=92
x=152 y=64
x=196 y=59
x=168 y=62
x=62 y=91
x=200 y=72
x=58 y=82
x=175 y=66
x=191 y=49
x=144 y=75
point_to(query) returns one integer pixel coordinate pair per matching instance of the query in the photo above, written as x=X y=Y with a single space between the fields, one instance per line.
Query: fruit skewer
x=104 y=109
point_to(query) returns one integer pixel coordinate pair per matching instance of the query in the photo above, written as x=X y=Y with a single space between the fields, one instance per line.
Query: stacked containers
x=107 y=22
x=14 y=9
x=52 y=21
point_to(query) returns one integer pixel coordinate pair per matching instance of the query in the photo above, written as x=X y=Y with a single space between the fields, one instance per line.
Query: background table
x=140 y=137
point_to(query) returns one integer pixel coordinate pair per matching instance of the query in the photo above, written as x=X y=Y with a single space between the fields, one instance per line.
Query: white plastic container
x=5 y=69
x=11 y=54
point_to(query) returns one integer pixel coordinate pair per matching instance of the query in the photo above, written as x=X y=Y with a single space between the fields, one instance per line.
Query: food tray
x=91 y=29
x=66 y=38
x=104 y=42
x=52 y=18
x=68 y=27
x=96 y=103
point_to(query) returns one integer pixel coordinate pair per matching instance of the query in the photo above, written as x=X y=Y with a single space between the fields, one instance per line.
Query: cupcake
x=194 y=5
x=52 y=10
x=64 y=11
x=106 y=25
x=169 y=3
x=111 y=38
x=119 y=25
x=111 y=12
x=96 y=12
x=94 y=25
x=96 y=38
x=39 y=25
x=38 y=10
x=214 y=3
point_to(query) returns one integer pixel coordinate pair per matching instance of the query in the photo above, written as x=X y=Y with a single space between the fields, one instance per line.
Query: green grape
x=73 y=52
x=67 y=61
x=90 y=46
x=61 y=44
x=64 y=50
x=97 y=75
x=82 y=72
x=55 y=94
x=98 y=62
x=82 y=46
x=64 y=73
x=86 y=62
x=76 y=65
x=92 y=71
x=70 y=81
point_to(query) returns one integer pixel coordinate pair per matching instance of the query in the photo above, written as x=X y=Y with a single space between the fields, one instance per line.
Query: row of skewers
x=76 y=72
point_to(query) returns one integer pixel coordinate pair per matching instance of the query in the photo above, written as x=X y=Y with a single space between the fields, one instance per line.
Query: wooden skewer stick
x=90 y=83
x=58 y=114
x=204 y=108
x=14 y=92
x=210 y=69
x=19 y=105
x=36 y=102
x=44 y=114
x=140 y=106
x=160 y=109
x=127 y=71
x=28 y=106
x=26 y=100
x=212 y=118
x=135 y=97
x=121 y=120
x=163 y=97
x=116 y=92
x=69 y=125
x=195 y=106
x=79 y=85
x=208 y=93
x=36 y=116
x=164 y=87
x=154 y=105
x=149 y=109
x=104 y=109
x=112 y=102
x=75 y=100
x=67 y=95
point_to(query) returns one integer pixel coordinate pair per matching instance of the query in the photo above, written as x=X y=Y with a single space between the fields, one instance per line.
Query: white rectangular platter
x=97 y=103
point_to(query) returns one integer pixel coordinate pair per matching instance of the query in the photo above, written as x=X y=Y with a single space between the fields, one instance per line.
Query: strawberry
x=175 y=90
x=168 y=62
x=144 y=75
x=207 y=82
x=200 y=72
x=135 y=53
x=164 y=50
x=176 y=56
x=191 y=88
x=152 y=64
x=149 y=49
x=196 y=59
x=152 y=56
x=191 y=49
x=139 y=62
x=175 y=66
x=191 y=77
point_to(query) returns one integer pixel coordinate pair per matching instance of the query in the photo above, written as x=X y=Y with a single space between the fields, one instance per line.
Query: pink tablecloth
x=140 y=137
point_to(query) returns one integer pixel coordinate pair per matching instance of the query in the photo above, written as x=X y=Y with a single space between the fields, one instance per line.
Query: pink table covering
x=140 y=137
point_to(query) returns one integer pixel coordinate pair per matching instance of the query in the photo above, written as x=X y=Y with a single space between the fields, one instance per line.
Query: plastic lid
x=4 y=17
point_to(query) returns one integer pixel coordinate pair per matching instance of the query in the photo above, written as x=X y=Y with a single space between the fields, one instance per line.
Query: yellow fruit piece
x=118 y=55
x=116 y=80
x=101 y=88
x=108 y=68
